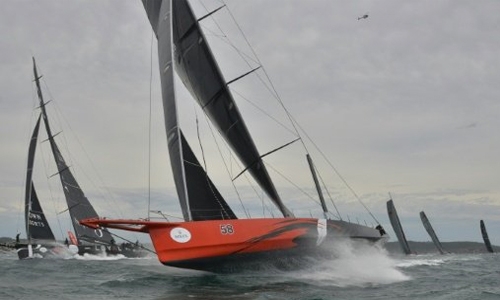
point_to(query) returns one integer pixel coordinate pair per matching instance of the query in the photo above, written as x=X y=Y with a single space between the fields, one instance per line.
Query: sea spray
x=354 y=263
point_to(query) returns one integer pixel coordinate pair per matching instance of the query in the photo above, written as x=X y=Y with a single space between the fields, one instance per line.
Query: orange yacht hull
x=230 y=245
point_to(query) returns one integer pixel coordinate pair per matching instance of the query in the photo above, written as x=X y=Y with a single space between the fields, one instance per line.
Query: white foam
x=356 y=264
x=87 y=256
x=419 y=262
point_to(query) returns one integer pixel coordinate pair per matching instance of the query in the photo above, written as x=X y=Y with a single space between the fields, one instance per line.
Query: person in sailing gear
x=66 y=242
x=17 y=238
x=114 y=247
x=380 y=229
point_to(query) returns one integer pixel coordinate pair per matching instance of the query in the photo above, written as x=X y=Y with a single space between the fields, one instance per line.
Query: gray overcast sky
x=405 y=101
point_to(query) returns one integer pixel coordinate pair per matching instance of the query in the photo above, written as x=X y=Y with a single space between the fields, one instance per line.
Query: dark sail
x=201 y=187
x=78 y=205
x=396 y=225
x=37 y=227
x=316 y=183
x=486 y=239
x=430 y=231
x=198 y=197
x=198 y=70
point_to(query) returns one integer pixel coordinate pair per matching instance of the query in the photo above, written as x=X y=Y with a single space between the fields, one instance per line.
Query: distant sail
x=431 y=232
x=485 y=237
x=78 y=205
x=396 y=225
x=37 y=227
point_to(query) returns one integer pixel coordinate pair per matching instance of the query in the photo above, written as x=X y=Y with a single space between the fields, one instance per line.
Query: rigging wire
x=150 y=122
x=70 y=162
x=329 y=195
x=59 y=116
x=337 y=173
x=46 y=164
x=293 y=183
x=294 y=123
x=228 y=170
x=273 y=91
x=264 y=112
x=210 y=186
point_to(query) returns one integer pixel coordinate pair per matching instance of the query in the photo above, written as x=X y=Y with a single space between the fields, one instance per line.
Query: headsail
x=430 y=231
x=396 y=225
x=37 y=227
x=199 y=185
x=78 y=205
x=486 y=239
x=200 y=73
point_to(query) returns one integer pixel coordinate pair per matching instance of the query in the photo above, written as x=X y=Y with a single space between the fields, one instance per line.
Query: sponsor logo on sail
x=180 y=235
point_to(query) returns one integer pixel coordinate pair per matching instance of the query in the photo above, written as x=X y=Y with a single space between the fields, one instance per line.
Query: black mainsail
x=486 y=239
x=78 y=205
x=198 y=197
x=398 y=228
x=431 y=232
x=37 y=226
x=175 y=26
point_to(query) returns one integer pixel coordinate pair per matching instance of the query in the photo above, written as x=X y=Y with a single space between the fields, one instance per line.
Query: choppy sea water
x=358 y=273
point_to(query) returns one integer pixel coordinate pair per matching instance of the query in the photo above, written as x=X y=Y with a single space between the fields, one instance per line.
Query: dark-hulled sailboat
x=88 y=240
x=398 y=228
x=486 y=239
x=431 y=232
x=212 y=237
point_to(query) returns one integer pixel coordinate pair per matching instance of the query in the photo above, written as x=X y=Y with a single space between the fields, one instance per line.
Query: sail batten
x=211 y=13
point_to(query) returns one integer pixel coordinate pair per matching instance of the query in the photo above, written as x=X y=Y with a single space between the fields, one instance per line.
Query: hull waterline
x=26 y=251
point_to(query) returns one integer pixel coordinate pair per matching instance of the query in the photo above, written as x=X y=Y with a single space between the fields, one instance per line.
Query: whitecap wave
x=104 y=256
x=419 y=262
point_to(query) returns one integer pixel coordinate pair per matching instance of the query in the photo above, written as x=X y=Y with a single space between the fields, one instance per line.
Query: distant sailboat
x=431 y=232
x=398 y=228
x=93 y=241
x=486 y=239
x=212 y=237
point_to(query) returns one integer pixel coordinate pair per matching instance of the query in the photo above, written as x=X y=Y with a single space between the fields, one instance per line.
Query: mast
x=398 y=228
x=486 y=239
x=78 y=205
x=430 y=231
